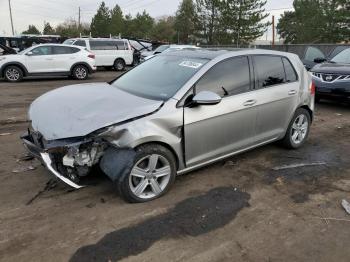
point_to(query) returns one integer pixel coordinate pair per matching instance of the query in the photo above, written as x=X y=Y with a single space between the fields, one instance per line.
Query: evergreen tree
x=32 y=30
x=142 y=25
x=48 y=30
x=208 y=25
x=243 y=20
x=309 y=23
x=164 y=30
x=101 y=22
x=185 y=21
x=117 y=21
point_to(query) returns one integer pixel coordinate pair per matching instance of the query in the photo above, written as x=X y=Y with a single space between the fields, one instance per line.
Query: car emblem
x=329 y=78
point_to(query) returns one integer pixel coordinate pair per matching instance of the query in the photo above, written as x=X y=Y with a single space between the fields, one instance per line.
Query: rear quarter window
x=291 y=75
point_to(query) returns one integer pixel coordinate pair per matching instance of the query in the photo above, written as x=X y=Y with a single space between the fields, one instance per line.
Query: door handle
x=49 y=59
x=292 y=92
x=250 y=103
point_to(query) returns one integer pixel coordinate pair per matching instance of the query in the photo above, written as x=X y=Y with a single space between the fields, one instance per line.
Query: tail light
x=91 y=56
x=312 y=88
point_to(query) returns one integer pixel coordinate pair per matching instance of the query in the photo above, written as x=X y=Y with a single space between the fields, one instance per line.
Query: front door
x=40 y=60
x=212 y=131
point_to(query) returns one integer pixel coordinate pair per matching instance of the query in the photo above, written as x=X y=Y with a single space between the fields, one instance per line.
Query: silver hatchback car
x=170 y=115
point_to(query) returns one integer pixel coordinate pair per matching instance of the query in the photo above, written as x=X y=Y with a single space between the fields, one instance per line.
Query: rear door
x=65 y=57
x=216 y=130
x=41 y=60
x=277 y=90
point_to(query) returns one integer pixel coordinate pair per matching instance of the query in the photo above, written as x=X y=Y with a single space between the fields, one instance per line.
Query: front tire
x=151 y=175
x=13 y=74
x=80 y=72
x=298 y=129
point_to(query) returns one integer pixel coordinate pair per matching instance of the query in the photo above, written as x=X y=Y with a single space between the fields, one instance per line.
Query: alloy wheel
x=12 y=74
x=150 y=176
x=299 y=129
x=80 y=73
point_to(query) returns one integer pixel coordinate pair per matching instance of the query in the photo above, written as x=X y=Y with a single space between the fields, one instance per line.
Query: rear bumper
x=44 y=157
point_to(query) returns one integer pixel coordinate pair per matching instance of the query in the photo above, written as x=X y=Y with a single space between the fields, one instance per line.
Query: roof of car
x=211 y=54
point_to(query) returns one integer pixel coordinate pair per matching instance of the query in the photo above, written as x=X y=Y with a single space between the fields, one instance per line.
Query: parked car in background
x=165 y=49
x=48 y=60
x=109 y=52
x=4 y=50
x=332 y=77
x=170 y=115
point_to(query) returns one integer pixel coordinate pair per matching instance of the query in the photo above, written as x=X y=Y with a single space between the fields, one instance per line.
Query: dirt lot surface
x=240 y=209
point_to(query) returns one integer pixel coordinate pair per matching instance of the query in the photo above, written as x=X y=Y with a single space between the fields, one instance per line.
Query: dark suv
x=332 y=78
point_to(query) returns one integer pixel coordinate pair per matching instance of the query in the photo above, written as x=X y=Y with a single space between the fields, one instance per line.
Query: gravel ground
x=240 y=209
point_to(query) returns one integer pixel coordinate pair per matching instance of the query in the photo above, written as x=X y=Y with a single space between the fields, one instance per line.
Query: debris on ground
x=23 y=169
x=338 y=114
x=5 y=134
x=230 y=163
x=25 y=157
x=298 y=165
x=346 y=205
x=52 y=183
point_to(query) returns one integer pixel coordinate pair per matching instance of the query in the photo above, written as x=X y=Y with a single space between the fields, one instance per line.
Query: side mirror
x=156 y=53
x=319 y=60
x=206 y=98
x=30 y=53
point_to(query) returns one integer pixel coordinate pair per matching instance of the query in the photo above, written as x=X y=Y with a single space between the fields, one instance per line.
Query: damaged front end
x=68 y=159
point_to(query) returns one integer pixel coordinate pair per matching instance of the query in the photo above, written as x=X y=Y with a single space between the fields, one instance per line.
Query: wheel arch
x=166 y=145
x=307 y=108
x=18 y=64
x=81 y=63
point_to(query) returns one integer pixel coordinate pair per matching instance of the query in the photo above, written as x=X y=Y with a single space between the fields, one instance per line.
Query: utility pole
x=79 y=19
x=13 y=31
x=273 y=30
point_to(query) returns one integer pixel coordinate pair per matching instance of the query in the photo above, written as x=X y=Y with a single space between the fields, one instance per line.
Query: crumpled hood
x=78 y=110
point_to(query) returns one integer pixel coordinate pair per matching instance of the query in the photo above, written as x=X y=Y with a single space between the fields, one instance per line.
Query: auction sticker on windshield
x=191 y=64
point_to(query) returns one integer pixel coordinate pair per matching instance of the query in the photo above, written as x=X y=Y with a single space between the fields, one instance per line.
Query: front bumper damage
x=47 y=155
x=36 y=149
x=72 y=159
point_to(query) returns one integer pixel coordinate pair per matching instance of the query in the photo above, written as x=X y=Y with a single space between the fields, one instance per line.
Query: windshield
x=69 y=42
x=343 y=57
x=160 y=77
x=161 y=48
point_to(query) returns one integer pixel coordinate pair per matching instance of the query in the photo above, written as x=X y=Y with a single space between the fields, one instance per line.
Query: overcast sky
x=35 y=12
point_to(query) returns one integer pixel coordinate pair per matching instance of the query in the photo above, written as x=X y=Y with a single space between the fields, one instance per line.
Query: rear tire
x=146 y=181
x=13 y=74
x=119 y=65
x=298 y=129
x=80 y=72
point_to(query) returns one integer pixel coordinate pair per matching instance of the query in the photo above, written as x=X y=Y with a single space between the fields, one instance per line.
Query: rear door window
x=103 y=45
x=229 y=77
x=291 y=75
x=269 y=70
x=63 y=50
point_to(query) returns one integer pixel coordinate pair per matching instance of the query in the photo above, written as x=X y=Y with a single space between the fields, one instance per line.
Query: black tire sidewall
x=288 y=138
x=80 y=66
x=116 y=62
x=142 y=151
x=19 y=71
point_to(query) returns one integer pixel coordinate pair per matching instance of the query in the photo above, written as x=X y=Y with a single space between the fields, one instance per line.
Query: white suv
x=109 y=52
x=48 y=60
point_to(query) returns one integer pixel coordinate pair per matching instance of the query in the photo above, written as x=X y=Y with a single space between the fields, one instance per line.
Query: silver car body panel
x=196 y=135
